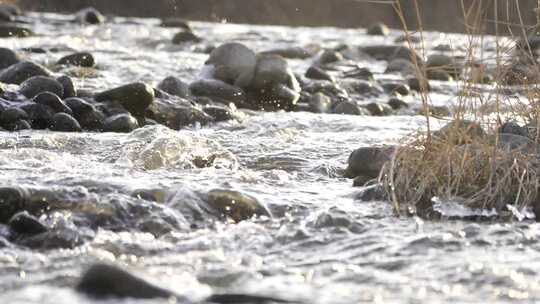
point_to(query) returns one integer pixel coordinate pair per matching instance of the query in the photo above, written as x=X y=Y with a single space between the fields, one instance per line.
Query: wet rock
x=53 y=101
x=362 y=87
x=291 y=52
x=378 y=109
x=329 y=56
x=83 y=59
x=402 y=66
x=270 y=70
x=511 y=127
x=121 y=123
x=233 y=63
x=134 y=97
x=359 y=73
x=278 y=97
x=368 y=161
x=444 y=63
x=320 y=103
x=18 y=125
x=236 y=205
x=174 y=86
x=185 y=37
x=361 y=181
x=438 y=74
x=378 y=29
x=69 y=87
x=393 y=88
x=348 y=108
x=106 y=281
x=216 y=88
x=24 y=223
x=218 y=113
x=11 y=115
x=317 y=73
x=176 y=115
x=8 y=58
x=78 y=106
x=175 y=22
x=89 y=15
x=8 y=12
x=54 y=239
x=63 y=122
x=92 y=121
x=19 y=72
x=391 y=52
x=12 y=201
x=7 y=30
x=38 y=84
x=396 y=103
x=461 y=132
x=372 y=193
x=419 y=85
x=39 y=116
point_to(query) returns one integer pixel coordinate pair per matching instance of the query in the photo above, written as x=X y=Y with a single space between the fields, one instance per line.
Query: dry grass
x=460 y=163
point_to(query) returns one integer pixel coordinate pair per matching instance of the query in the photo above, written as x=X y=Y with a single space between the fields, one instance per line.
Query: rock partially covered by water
x=120 y=123
x=64 y=122
x=8 y=30
x=9 y=118
x=368 y=161
x=134 y=97
x=39 y=84
x=391 y=52
x=19 y=72
x=174 y=86
x=233 y=63
x=8 y=58
x=106 y=281
x=378 y=29
x=236 y=205
x=53 y=101
x=185 y=37
x=12 y=201
x=68 y=85
x=82 y=59
x=89 y=15
x=176 y=22
x=218 y=90
x=24 y=223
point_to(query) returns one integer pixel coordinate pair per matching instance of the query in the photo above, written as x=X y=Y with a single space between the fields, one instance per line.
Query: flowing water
x=320 y=246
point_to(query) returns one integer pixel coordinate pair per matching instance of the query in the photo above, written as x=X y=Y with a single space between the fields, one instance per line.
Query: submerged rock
x=236 y=205
x=19 y=72
x=348 y=108
x=134 y=97
x=26 y=224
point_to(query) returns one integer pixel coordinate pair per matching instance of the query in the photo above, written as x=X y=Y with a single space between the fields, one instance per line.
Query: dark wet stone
x=8 y=12
x=83 y=59
x=320 y=103
x=176 y=22
x=361 y=181
x=217 y=88
x=270 y=70
x=35 y=50
x=176 y=116
x=291 y=52
x=39 y=116
x=348 y=108
x=7 y=30
x=121 y=123
x=318 y=73
x=407 y=38
x=18 y=125
x=438 y=74
x=185 y=37
x=12 y=115
x=330 y=56
x=38 y=84
x=24 y=223
x=12 y=201
x=65 y=123
x=134 y=97
x=92 y=121
x=174 y=86
x=368 y=161
x=155 y=226
x=391 y=52
x=54 y=239
x=89 y=15
x=234 y=63
x=278 y=97
x=444 y=63
x=78 y=106
x=53 y=101
x=399 y=65
x=398 y=88
x=69 y=87
x=218 y=113
x=461 y=132
x=378 y=109
x=512 y=127
x=362 y=87
x=8 y=58
x=236 y=205
x=396 y=103
x=19 y=72
x=106 y=281
x=419 y=86
x=359 y=73
x=372 y=193
x=378 y=29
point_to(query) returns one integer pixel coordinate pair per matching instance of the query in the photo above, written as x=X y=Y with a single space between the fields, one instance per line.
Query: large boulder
x=19 y=72
x=134 y=97
x=368 y=161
